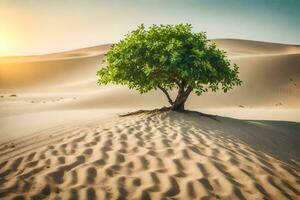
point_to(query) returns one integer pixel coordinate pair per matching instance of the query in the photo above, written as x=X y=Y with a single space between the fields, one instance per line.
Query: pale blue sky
x=43 y=26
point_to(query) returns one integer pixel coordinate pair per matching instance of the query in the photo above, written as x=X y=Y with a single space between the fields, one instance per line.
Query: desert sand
x=61 y=136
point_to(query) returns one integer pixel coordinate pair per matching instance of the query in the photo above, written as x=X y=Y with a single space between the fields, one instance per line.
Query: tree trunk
x=181 y=98
x=183 y=94
x=178 y=106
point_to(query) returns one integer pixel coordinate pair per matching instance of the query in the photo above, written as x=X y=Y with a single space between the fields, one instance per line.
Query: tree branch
x=166 y=93
x=176 y=81
x=188 y=90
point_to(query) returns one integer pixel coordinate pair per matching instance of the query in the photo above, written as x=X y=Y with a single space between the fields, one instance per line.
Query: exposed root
x=158 y=110
x=166 y=109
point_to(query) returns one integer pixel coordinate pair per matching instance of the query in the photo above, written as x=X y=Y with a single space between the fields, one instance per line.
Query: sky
x=31 y=27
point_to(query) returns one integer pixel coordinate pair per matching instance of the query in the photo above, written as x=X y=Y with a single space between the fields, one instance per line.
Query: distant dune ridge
x=270 y=74
x=61 y=137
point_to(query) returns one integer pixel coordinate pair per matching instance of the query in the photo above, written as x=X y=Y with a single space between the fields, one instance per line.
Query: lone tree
x=166 y=57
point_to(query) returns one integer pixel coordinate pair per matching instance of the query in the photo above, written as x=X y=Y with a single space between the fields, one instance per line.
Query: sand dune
x=271 y=75
x=60 y=137
x=51 y=70
x=238 y=48
x=167 y=155
x=67 y=81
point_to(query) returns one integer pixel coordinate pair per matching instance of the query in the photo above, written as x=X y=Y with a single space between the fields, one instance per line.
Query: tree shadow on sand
x=277 y=138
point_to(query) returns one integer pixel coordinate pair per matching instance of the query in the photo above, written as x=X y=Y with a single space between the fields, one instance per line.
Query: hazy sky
x=43 y=26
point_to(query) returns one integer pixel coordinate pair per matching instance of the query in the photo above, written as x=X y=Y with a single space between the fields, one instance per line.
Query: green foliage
x=168 y=56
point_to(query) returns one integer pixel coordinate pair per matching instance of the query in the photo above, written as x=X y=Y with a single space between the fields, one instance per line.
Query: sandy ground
x=61 y=137
x=158 y=156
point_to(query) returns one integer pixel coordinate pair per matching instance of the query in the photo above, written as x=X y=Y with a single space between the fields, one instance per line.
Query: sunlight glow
x=5 y=44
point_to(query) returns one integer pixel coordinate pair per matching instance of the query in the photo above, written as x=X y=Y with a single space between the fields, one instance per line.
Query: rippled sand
x=148 y=156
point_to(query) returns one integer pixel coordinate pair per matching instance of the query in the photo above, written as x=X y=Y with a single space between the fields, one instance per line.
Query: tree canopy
x=167 y=57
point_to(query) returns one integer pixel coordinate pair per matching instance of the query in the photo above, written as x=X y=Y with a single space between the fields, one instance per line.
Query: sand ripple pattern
x=161 y=156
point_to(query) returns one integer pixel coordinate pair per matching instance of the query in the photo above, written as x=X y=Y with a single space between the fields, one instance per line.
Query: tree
x=166 y=57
